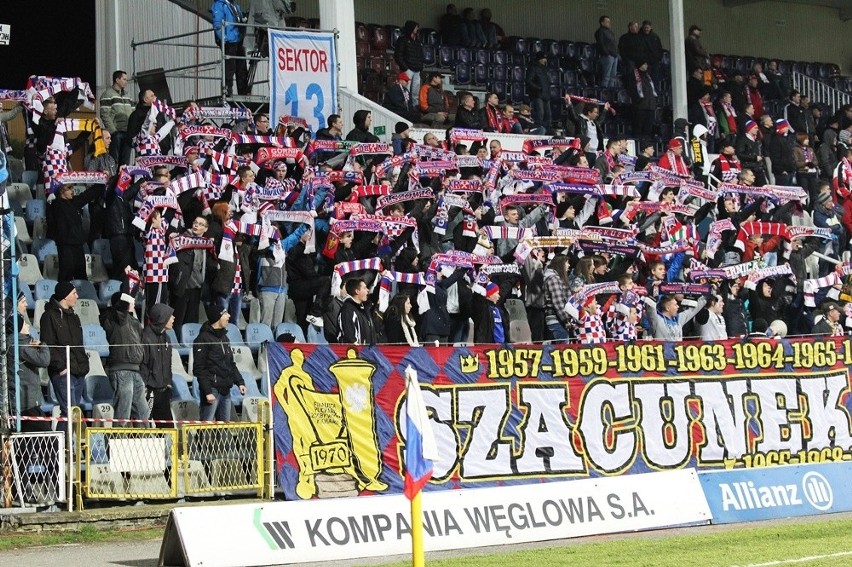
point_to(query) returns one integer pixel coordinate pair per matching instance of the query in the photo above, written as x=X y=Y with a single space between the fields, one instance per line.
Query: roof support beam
x=735 y=3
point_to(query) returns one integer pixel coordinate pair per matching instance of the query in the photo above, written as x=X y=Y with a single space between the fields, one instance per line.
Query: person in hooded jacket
x=214 y=365
x=61 y=327
x=124 y=333
x=33 y=355
x=156 y=366
x=361 y=132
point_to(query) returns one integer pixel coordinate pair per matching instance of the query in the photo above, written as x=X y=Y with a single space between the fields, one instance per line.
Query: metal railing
x=205 y=78
x=821 y=92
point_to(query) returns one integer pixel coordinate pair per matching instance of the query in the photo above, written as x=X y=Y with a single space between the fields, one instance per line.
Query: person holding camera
x=226 y=13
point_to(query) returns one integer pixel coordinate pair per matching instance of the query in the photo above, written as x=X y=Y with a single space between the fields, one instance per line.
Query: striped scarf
x=730 y=167
x=466 y=135
x=391 y=277
x=604 y=190
x=195 y=113
x=464 y=186
x=281 y=141
x=714 y=236
x=360 y=191
x=768 y=272
x=748 y=229
x=153 y=160
x=640 y=86
x=395 y=161
x=529 y=244
x=204 y=131
x=343 y=268
x=544 y=144
x=53 y=165
x=186 y=183
x=276 y=154
x=685 y=288
x=163 y=108
x=509 y=232
x=83 y=178
x=536 y=175
x=268 y=232
x=394 y=198
x=151 y=204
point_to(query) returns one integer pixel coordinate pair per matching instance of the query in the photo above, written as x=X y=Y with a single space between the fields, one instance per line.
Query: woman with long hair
x=399 y=324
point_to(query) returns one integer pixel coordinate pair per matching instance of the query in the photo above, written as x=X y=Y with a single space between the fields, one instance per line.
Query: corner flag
x=420 y=446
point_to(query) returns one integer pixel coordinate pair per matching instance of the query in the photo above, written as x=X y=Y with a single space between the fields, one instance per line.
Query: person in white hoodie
x=698 y=153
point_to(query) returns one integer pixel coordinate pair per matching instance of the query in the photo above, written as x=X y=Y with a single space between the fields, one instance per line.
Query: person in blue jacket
x=228 y=12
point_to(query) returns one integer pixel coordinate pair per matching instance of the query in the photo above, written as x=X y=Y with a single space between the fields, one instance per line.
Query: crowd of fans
x=412 y=242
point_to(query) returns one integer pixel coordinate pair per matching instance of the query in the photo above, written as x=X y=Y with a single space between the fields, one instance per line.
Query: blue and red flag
x=420 y=446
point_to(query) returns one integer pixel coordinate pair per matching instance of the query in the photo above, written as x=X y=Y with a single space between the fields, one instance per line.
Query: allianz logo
x=815 y=489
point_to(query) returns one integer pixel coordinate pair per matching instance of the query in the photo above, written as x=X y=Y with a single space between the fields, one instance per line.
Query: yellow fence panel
x=130 y=463
x=222 y=457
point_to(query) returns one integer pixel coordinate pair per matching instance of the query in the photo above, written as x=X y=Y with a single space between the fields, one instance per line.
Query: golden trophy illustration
x=334 y=434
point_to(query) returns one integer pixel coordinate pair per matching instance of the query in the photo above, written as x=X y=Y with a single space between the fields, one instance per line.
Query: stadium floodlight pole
x=678 y=58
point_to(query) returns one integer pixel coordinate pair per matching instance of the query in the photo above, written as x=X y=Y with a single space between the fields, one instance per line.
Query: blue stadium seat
x=257 y=334
x=44 y=289
x=587 y=66
x=534 y=45
x=234 y=335
x=36 y=209
x=498 y=87
x=463 y=55
x=446 y=57
x=394 y=33
x=101 y=248
x=498 y=72
x=555 y=76
x=462 y=74
x=429 y=36
x=188 y=332
x=569 y=78
x=180 y=388
x=107 y=289
x=622 y=96
x=518 y=92
x=480 y=74
x=292 y=328
x=428 y=55
x=551 y=47
x=482 y=57
x=518 y=75
x=569 y=49
x=94 y=338
x=86 y=290
x=181 y=350
x=666 y=60
x=316 y=336
x=516 y=44
x=28 y=294
x=501 y=58
x=43 y=247
x=585 y=50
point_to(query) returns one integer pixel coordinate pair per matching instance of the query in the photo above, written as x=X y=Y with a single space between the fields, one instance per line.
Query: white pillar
x=340 y=15
x=678 y=58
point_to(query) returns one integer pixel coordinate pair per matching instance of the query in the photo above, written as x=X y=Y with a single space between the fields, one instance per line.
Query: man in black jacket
x=409 y=55
x=156 y=367
x=652 y=51
x=629 y=46
x=466 y=115
x=60 y=327
x=188 y=275
x=66 y=227
x=781 y=153
x=795 y=114
x=355 y=320
x=607 y=52
x=124 y=333
x=538 y=89
x=361 y=132
x=213 y=364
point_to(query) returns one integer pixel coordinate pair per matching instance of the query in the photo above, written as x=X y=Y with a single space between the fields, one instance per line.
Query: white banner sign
x=303 y=76
x=373 y=526
x=5 y=34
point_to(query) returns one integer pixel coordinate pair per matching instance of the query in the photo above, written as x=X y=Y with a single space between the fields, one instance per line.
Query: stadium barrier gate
x=101 y=462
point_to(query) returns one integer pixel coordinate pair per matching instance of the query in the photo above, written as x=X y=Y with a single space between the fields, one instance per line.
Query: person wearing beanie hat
x=781 y=152
x=538 y=89
x=213 y=364
x=124 y=334
x=156 y=366
x=60 y=327
x=749 y=150
x=399 y=98
x=32 y=355
x=673 y=160
x=488 y=315
x=400 y=139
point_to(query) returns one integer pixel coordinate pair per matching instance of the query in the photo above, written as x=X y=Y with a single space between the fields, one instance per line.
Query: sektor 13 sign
x=303 y=71
x=505 y=415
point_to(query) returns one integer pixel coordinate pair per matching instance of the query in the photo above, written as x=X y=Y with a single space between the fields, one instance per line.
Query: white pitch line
x=799 y=560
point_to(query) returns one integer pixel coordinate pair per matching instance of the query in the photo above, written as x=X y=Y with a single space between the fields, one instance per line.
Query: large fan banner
x=507 y=414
